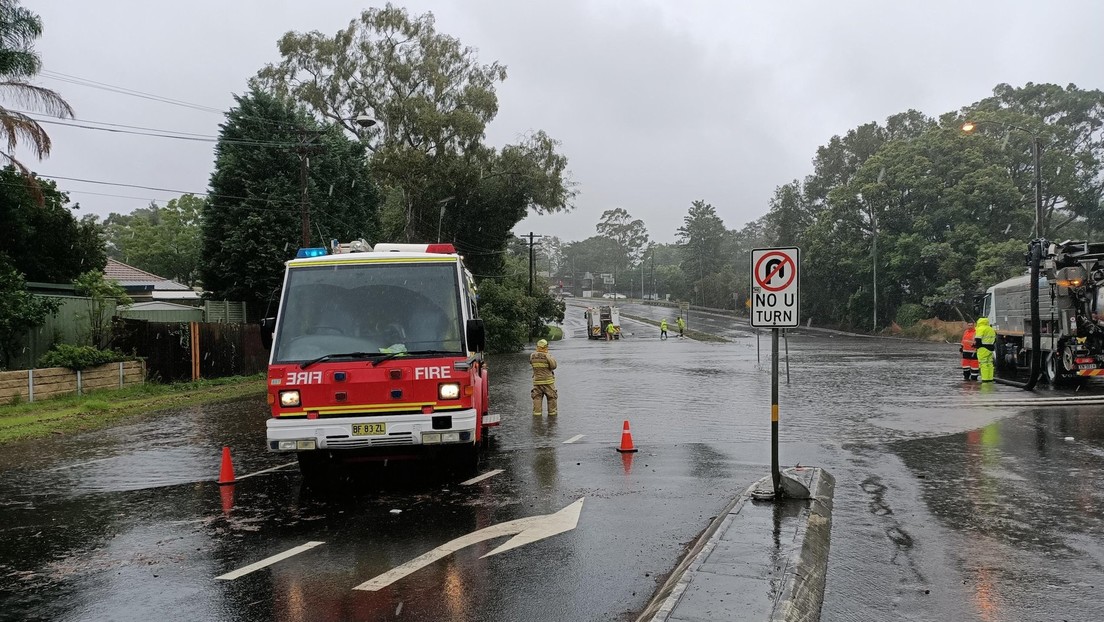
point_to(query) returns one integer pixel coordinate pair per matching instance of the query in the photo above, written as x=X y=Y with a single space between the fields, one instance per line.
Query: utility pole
x=305 y=149
x=531 y=237
x=654 y=273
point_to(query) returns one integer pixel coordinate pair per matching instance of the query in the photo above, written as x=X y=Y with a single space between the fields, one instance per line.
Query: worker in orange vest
x=969 y=354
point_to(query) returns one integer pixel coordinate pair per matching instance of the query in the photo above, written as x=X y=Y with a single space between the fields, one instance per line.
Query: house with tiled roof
x=144 y=286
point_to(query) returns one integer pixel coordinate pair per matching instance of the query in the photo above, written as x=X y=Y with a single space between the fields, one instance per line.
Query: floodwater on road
x=949 y=503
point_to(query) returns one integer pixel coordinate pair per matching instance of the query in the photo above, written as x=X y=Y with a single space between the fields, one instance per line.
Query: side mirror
x=267 y=326
x=477 y=335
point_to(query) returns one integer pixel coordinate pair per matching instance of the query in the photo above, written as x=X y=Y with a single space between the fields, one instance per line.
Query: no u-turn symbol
x=774 y=292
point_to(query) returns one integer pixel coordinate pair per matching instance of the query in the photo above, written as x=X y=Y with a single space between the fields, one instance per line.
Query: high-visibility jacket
x=985 y=338
x=663 y=325
x=611 y=329
x=681 y=324
x=969 y=353
x=543 y=365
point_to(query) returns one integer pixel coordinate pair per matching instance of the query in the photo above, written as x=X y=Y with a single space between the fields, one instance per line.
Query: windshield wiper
x=344 y=355
x=414 y=353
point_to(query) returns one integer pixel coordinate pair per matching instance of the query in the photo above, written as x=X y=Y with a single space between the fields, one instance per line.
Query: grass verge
x=672 y=330
x=98 y=409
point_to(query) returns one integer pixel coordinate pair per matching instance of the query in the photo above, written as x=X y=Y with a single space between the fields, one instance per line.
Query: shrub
x=77 y=357
x=910 y=313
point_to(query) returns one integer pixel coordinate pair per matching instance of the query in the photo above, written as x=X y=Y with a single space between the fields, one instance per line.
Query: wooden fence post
x=194 y=327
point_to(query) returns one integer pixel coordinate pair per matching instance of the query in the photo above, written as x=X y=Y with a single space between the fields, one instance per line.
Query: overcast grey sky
x=657 y=102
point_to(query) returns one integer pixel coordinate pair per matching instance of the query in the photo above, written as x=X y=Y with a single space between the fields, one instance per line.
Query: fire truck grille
x=382 y=441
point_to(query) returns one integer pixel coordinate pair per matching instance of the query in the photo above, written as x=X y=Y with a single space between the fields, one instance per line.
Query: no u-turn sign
x=774 y=301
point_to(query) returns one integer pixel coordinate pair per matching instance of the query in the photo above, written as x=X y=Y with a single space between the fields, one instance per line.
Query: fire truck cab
x=377 y=353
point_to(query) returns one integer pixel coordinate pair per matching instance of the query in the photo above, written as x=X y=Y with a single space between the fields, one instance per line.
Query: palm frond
x=15 y=64
x=19 y=26
x=34 y=96
x=17 y=127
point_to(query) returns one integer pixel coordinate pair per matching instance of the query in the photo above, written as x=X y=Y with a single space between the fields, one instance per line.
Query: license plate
x=1087 y=366
x=369 y=429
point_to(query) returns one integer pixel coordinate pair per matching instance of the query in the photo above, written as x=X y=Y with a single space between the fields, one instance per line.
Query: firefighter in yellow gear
x=985 y=341
x=544 y=379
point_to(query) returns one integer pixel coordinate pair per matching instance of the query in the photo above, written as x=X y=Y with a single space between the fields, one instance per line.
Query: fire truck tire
x=313 y=465
x=464 y=460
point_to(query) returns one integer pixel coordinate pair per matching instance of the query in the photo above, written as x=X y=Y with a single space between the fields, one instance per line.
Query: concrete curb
x=752 y=572
x=803 y=582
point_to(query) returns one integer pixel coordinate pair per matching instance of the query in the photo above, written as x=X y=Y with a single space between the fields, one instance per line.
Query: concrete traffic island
x=758 y=560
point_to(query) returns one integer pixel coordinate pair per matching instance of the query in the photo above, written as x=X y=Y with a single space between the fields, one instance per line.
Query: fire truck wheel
x=464 y=460
x=313 y=464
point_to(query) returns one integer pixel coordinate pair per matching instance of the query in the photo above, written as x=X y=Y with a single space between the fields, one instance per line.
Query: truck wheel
x=313 y=465
x=464 y=460
x=1055 y=374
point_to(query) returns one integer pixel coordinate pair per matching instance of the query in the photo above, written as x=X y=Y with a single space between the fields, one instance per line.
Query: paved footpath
x=758 y=561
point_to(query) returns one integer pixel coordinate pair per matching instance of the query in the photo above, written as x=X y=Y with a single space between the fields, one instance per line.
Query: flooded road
x=951 y=503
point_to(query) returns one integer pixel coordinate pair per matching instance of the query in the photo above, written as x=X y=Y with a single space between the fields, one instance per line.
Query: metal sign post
x=774 y=305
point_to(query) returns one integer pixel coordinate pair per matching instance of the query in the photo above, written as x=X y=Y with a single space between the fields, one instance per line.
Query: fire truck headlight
x=431 y=437
x=450 y=437
x=287 y=445
x=448 y=391
x=289 y=399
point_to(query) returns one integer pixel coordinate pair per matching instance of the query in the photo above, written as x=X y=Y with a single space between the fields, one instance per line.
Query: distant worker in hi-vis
x=985 y=340
x=681 y=325
x=544 y=379
x=663 y=329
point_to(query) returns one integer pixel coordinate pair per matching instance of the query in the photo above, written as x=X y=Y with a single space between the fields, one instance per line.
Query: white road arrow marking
x=524 y=530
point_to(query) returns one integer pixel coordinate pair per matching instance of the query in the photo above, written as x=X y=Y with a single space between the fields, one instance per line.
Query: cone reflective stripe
x=226 y=472
x=626 y=439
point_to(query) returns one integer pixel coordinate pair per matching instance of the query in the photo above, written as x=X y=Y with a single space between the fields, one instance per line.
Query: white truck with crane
x=1071 y=314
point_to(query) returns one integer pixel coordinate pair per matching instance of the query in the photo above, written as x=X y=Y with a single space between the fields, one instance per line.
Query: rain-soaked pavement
x=951 y=503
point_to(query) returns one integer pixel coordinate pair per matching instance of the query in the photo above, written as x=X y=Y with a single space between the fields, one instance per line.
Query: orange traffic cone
x=626 y=439
x=226 y=472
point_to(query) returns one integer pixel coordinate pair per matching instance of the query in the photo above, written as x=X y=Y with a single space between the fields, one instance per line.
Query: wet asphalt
x=952 y=503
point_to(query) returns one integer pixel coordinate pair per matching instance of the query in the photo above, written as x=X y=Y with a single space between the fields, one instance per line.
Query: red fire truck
x=377 y=353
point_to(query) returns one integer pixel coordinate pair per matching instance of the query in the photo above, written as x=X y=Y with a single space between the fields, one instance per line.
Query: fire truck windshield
x=387 y=308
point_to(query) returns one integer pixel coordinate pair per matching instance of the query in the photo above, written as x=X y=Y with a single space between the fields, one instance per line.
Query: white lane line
x=574 y=438
x=275 y=468
x=479 y=478
x=268 y=561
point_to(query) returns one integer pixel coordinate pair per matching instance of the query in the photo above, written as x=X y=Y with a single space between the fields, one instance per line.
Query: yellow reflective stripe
x=544 y=382
x=539 y=364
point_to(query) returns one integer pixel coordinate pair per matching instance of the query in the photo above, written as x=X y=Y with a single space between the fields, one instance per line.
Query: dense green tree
x=433 y=99
x=512 y=317
x=20 y=311
x=45 y=241
x=630 y=236
x=104 y=296
x=19 y=64
x=251 y=220
x=163 y=240
x=701 y=238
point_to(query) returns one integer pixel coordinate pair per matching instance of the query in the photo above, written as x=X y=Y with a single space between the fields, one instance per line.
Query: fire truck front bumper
x=439 y=428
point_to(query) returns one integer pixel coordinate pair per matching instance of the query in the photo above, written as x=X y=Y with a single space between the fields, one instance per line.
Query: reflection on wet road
x=949 y=505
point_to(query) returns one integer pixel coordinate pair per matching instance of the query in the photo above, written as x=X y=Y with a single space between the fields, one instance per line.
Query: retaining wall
x=31 y=385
